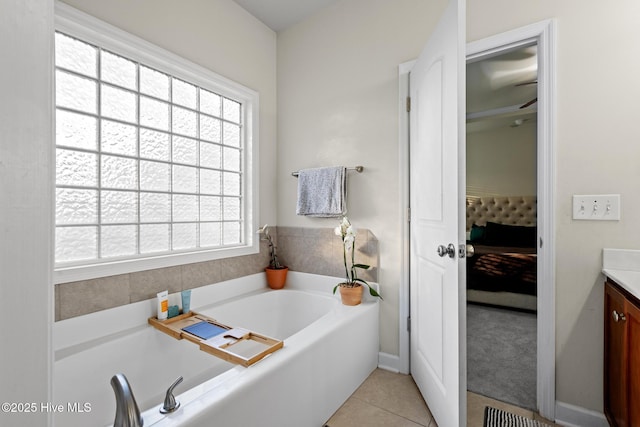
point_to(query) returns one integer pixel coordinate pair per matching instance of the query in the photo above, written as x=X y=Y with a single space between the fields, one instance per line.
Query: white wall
x=218 y=35
x=338 y=105
x=26 y=206
x=598 y=64
x=502 y=161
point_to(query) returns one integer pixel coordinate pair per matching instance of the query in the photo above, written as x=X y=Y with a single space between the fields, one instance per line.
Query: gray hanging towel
x=322 y=192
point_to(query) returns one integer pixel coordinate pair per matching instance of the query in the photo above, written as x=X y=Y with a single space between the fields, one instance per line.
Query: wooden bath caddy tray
x=235 y=345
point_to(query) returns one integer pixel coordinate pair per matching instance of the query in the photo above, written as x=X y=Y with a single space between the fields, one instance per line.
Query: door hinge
x=408 y=104
x=408 y=214
x=409 y=323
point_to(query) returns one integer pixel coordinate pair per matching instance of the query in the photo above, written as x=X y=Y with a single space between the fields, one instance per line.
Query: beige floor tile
x=475 y=411
x=395 y=393
x=356 y=413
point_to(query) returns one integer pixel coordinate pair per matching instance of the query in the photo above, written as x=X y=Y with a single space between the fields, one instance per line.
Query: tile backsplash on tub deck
x=87 y=296
x=309 y=250
x=319 y=251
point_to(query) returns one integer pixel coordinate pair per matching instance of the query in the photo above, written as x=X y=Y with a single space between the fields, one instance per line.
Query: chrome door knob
x=447 y=250
x=470 y=250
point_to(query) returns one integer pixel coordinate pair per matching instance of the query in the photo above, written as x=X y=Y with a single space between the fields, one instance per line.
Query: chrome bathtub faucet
x=127 y=411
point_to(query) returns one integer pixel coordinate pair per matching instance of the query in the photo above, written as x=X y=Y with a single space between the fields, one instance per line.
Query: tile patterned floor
x=386 y=399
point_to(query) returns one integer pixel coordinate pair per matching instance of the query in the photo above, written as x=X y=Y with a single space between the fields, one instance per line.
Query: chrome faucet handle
x=170 y=403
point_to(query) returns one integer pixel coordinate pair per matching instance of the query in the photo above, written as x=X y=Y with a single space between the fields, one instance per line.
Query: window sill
x=112 y=268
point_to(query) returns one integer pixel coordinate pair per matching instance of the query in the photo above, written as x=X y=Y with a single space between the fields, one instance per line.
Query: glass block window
x=147 y=163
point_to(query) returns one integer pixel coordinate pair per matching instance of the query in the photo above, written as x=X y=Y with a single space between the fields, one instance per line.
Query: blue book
x=204 y=330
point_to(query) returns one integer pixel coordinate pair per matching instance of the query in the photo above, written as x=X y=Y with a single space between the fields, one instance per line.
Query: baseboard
x=389 y=362
x=576 y=416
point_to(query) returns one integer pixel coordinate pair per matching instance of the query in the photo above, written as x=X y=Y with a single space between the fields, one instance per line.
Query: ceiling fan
x=534 y=100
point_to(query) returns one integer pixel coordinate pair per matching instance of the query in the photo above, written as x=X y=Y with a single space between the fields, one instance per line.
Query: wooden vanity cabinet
x=621 y=356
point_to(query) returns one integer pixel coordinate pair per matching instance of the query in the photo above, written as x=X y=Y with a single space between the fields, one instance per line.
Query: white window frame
x=85 y=27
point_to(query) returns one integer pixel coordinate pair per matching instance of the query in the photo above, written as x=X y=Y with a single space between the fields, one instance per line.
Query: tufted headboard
x=511 y=210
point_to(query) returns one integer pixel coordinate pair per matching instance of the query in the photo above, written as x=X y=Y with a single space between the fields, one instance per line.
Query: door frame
x=542 y=34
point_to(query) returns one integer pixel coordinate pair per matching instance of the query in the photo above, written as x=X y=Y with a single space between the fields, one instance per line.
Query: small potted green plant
x=276 y=272
x=351 y=289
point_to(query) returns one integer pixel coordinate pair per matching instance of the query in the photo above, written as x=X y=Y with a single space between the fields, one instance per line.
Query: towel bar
x=355 y=168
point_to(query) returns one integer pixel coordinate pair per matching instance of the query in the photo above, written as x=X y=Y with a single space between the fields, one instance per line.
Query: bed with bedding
x=503 y=232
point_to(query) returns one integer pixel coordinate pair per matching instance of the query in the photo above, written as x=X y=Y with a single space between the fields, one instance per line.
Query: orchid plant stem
x=274 y=263
x=346 y=270
x=353 y=262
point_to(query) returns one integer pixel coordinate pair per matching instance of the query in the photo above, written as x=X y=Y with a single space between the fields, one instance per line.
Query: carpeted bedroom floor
x=501 y=354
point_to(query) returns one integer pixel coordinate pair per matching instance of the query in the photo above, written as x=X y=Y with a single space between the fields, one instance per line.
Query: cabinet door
x=615 y=358
x=633 y=327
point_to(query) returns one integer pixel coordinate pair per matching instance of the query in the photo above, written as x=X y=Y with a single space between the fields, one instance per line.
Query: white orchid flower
x=349 y=240
x=351 y=231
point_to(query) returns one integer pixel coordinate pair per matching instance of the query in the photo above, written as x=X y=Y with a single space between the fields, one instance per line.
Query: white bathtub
x=329 y=349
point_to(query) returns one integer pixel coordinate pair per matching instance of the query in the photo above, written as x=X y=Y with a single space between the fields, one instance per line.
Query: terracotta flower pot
x=351 y=295
x=276 y=277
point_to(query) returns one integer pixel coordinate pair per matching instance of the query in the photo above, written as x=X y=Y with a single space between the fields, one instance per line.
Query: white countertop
x=623 y=267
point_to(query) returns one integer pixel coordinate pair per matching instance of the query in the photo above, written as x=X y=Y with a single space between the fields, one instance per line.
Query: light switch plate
x=598 y=207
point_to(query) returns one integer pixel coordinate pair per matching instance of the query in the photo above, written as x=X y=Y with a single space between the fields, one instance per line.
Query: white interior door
x=436 y=161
